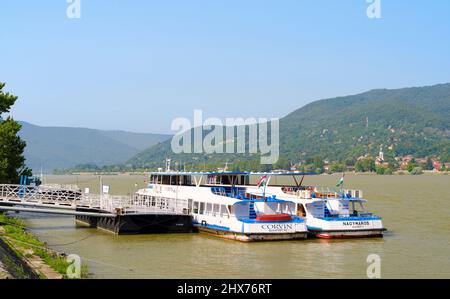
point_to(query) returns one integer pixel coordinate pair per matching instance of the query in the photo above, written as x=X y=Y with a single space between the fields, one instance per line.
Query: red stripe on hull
x=338 y=235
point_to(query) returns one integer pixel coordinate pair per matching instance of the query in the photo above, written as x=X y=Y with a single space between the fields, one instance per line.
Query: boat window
x=301 y=210
x=202 y=208
x=153 y=179
x=190 y=201
x=211 y=180
x=195 y=207
x=208 y=208
x=230 y=209
x=216 y=209
x=187 y=180
x=223 y=211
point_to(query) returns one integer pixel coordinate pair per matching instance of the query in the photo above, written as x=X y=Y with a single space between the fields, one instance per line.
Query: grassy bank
x=44 y=261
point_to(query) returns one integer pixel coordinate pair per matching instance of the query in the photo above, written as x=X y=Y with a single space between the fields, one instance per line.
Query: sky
x=137 y=65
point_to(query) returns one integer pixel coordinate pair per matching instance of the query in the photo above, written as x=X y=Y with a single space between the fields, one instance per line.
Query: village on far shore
x=407 y=164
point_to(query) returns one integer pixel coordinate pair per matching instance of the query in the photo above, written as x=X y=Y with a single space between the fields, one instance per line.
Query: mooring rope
x=9 y=238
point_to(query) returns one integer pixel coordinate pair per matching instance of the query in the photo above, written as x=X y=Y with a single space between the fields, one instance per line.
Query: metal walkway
x=61 y=201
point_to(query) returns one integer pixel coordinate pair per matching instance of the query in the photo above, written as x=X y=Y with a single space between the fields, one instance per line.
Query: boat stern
x=346 y=227
x=270 y=230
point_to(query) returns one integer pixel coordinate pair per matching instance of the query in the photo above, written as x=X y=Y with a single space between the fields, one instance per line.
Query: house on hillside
x=404 y=161
x=422 y=160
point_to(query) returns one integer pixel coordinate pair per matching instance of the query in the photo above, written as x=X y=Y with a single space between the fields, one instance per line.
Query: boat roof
x=340 y=199
x=200 y=173
x=287 y=173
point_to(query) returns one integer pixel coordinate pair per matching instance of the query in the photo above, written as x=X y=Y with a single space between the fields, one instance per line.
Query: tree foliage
x=12 y=161
x=365 y=165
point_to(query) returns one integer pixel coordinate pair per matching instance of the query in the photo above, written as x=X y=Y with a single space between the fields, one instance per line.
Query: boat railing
x=324 y=193
x=136 y=204
x=350 y=215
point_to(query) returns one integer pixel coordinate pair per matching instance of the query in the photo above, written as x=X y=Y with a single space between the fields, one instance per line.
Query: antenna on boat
x=225 y=169
x=167 y=165
x=42 y=175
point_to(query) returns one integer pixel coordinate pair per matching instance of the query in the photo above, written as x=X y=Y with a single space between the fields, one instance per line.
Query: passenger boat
x=329 y=212
x=220 y=205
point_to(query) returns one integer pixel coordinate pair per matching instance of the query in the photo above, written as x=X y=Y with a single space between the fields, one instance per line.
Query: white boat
x=329 y=213
x=219 y=205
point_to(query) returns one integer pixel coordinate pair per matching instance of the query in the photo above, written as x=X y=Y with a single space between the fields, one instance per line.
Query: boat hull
x=140 y=224
x=343 y=234
x=348 y=227
x=253 y=237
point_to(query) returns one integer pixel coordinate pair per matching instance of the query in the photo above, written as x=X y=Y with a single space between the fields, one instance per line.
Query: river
x=415 y=209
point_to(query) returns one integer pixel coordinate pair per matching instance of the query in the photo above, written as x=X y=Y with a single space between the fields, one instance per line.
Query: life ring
x=274 y=217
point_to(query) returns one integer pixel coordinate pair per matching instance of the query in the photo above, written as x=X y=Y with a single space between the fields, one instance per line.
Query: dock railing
x=39 y=195
x=74 y=199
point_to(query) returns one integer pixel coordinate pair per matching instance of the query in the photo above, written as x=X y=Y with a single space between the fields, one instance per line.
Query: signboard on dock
x=105 y=189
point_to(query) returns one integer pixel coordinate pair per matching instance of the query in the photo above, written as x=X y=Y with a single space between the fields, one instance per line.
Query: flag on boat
x=262 y=181
x=341 y=181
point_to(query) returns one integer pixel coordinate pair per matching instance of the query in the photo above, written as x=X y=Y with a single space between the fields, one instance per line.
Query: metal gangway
x=70 y=201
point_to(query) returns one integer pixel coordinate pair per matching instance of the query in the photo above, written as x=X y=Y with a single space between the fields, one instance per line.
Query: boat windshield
x=337 y=208
x=255 y=210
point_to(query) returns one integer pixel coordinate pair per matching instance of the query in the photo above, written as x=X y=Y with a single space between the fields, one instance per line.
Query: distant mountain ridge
x=62 y=147
x=403 y=121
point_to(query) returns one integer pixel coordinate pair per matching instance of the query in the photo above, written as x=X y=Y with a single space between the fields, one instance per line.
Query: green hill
x=59 y=147
x=404 y=121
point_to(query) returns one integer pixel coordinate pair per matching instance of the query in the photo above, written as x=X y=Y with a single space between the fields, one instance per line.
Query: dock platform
x=116 y=214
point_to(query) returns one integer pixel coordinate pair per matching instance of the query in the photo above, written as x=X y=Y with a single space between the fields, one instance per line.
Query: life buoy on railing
x=274 y=217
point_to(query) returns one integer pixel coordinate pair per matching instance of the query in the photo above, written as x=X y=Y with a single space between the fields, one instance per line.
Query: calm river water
x=415 y=209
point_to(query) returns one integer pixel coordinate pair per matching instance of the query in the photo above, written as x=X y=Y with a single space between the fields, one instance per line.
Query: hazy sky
x=136 y=65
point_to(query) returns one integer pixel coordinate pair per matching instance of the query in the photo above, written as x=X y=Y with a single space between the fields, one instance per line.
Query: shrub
x=416 y=171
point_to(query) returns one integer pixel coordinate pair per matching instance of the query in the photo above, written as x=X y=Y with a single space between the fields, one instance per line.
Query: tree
x=411 y=165
x=416 y=171
x=380 y=170
x=388 y=171
x=282 y=164
x=337 y=167
x=365 y=165
x=12 y=161
x=315 y=164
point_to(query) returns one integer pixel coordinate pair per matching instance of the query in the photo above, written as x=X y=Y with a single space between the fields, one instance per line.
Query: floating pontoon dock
x=117 y=214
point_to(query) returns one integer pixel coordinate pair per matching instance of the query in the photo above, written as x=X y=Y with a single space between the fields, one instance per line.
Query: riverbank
x=23 y=256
